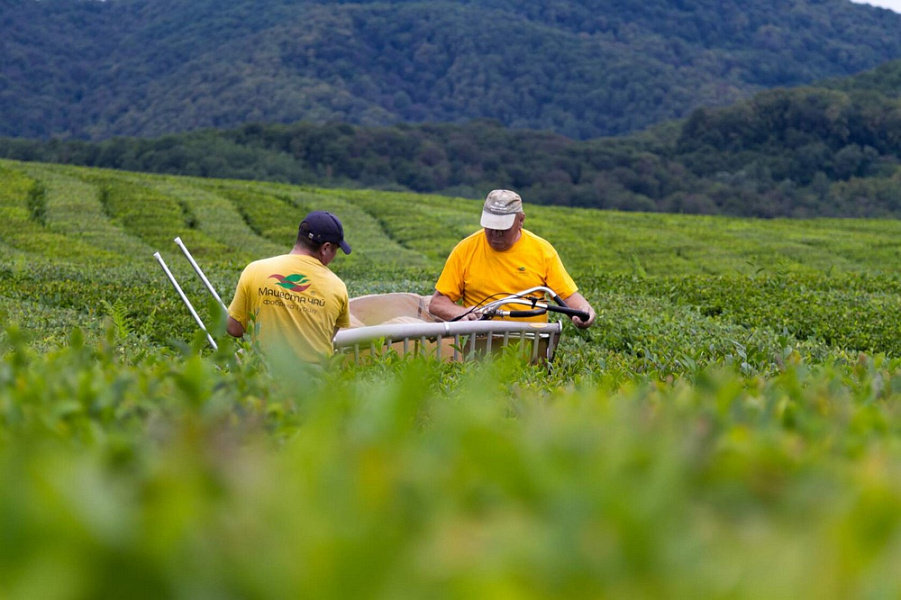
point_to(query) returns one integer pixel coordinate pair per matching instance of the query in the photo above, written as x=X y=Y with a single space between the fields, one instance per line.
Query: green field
x=728 y=428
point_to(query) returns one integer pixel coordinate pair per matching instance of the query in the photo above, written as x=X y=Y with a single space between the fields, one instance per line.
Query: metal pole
x=199 y=272
x=184 y=298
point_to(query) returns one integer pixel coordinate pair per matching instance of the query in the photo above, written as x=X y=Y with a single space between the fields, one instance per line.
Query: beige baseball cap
x=500 y=210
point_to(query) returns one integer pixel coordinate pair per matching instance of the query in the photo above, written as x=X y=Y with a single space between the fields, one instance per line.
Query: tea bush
x=728 y=427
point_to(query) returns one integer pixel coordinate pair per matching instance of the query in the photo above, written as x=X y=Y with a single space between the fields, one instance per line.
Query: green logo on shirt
x=293 y=283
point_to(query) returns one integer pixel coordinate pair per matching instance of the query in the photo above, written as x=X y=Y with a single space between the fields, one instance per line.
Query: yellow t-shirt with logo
x=474 y=271
x=297 y=301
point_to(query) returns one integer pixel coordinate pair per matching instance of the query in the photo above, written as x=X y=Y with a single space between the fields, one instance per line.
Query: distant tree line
x=796 y=153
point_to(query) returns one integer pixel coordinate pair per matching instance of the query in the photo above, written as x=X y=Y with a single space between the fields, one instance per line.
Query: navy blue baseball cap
x=322 y=226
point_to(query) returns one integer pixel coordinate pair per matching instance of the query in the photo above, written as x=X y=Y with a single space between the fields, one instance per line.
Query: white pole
x=184 y=298
x=199 y=272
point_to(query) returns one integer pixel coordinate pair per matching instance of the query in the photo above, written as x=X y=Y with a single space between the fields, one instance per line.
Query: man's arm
x=234 y=327
x=444 y=308
x=579 y=302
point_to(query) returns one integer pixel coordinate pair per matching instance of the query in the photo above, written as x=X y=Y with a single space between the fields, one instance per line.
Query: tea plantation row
x=77 y=246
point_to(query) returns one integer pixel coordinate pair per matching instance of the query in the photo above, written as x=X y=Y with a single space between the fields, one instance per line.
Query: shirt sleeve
x=558 y=279
x=237 y=310
x=450 y=282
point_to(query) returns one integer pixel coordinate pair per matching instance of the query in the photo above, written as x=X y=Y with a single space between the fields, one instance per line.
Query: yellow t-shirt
x=474 y=271
x=297 y=301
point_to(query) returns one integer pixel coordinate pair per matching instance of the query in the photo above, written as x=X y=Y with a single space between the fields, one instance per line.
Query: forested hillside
x=583 y=69
x=809 y=151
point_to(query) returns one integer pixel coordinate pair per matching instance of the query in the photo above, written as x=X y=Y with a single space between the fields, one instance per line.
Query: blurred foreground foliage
x=142 y=472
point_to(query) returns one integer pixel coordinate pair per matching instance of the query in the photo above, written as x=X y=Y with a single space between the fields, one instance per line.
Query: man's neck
x=304 y=251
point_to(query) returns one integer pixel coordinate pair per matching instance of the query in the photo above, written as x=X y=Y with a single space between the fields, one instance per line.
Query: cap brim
x=344 y=246
x=493 y=221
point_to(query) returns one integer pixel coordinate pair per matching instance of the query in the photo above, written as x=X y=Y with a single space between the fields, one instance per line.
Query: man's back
x=297 y=301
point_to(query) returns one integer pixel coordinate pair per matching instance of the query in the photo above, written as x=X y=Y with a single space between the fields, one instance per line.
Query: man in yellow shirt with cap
x=298 y=302
x=500 y=259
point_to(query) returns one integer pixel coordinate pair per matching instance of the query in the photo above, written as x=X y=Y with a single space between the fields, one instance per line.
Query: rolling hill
x=121 y=218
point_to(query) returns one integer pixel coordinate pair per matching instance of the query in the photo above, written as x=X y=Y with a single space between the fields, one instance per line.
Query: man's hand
x=579 y=302
x=234 y=327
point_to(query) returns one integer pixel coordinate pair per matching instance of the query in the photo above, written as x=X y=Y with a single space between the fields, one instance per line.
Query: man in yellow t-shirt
x=501 y=259
x=297 y=300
